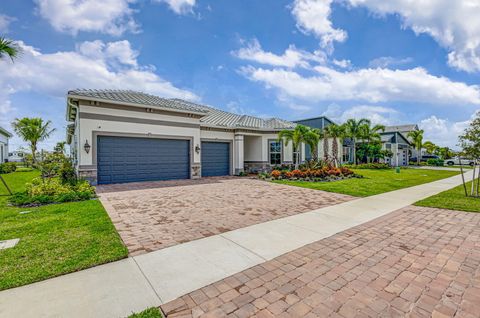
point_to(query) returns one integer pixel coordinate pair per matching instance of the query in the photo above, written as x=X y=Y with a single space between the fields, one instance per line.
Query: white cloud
x=180 y=6
x=291 y=58
x=5 y=21
x=112 y=17
x=443 y=132
x=386 y=61
x=377 y=114
x=313 y=16
x=342 y=63
x=91 y=65
x=370 y=85
x=454 y=24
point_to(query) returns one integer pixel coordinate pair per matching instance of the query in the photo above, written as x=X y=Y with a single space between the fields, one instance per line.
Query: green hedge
x=8 y=167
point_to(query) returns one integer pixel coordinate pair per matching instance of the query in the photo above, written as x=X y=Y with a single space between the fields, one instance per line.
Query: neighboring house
x=320 y=123
x=399 y=145
x=17 y=156
x=123 y=136
x=4 y=137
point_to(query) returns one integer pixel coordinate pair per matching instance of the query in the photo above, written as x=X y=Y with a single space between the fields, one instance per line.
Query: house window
x=275 y=152
x=388 y=146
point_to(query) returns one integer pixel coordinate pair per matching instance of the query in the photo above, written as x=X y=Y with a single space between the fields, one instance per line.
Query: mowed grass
x=375 y=181
x=453 y=199
x=54 y=239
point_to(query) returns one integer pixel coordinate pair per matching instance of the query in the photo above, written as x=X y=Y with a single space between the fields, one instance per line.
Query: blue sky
x=393 y=62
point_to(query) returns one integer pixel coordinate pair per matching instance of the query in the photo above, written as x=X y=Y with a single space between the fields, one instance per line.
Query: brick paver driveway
x=415 y=262
x=154 y=215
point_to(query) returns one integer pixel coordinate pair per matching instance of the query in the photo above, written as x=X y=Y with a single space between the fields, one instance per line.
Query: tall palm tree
x=297 y=136
x=335 y=132
x=312 y=138
x=353 y=131
x=9 y=48
x=369 y=133
x=417 y=137
x=33 y=131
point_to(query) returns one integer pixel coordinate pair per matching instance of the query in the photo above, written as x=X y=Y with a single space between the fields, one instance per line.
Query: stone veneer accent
x=196 y=170
x=88 y=174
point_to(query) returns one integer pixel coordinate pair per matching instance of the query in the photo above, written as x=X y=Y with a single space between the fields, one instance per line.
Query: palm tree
x=417 y=137
x=297 y=136
x=312 y=138
x=371 y=133
x=430 y=147
x=335 y=132
x=9 y=48
x=32 y=130
x=353 y=131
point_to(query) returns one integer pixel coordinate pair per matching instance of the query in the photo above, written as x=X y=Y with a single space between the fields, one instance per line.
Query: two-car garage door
x=131 y=159
x=127 y=159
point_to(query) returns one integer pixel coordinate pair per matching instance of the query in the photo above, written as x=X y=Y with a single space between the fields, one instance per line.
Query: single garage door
x=215 y=159
x=125 y=159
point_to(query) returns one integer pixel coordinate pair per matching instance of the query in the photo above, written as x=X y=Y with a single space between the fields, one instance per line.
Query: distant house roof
x=319 y=122
x=5 y=132
x=394 y=137
x=401 y=128
x=210 y=116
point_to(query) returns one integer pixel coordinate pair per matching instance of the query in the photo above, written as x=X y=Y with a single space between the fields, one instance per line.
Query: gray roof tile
x=213 y=116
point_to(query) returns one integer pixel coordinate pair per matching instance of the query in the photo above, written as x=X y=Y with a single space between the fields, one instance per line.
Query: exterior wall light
x=197 y=149
x=86 y=146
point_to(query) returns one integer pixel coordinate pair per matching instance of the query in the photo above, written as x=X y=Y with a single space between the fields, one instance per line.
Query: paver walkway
x=417 y=262
x=118 y=288
x=154 y=215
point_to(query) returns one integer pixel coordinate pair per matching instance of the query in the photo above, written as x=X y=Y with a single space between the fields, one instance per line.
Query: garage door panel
x=215 y=159
x=128 y=159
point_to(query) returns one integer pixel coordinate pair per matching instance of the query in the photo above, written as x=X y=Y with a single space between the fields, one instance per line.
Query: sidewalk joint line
x=243 y=247
x=149 y=283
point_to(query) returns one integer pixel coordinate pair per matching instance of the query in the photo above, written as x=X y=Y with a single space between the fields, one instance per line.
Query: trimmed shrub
x=8 y=167
x=435 y=162
x=323 y=174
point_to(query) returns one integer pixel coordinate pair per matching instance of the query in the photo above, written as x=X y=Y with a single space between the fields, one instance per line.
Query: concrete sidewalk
x=120 y=288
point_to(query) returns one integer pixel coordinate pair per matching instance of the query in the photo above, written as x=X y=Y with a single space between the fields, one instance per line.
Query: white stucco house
x=17 y=156
x=120 y=136
x=4 y=137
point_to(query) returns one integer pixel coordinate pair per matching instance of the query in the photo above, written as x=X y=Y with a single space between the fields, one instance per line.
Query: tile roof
x=133 y=97
x=212 y=116
x=401 y=128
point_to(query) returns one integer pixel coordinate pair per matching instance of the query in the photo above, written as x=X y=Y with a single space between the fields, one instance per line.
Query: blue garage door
x=215 y=159
x=125 y=159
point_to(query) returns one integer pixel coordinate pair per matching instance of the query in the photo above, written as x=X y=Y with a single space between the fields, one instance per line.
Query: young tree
x=417 y=137
x=430 y=147
x=335 y=132
x=297 y=136
x=470 y=139
x=9 y=48
x=33 y=131
x=353 y=131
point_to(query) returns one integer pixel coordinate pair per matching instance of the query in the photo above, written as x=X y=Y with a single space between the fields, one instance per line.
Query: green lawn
x=453 y=199
x=375 y=181
x=54 y=239
x=152 y=312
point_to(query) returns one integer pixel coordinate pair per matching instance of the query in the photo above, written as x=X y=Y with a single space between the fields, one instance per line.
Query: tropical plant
x=297 y=136
x=470 y=139
x=417 y=137
x=33 y=131
x=353 y=131
x=60 y=147
x=9 y=48
x=430 y=147
x=312 y=138
x=371 y=134
x=335 y=132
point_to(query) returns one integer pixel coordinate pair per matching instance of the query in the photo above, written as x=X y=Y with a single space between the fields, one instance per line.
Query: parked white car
x=459 y=161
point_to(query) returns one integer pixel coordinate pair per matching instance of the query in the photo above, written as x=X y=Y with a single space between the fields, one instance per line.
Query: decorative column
x=238 y=149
